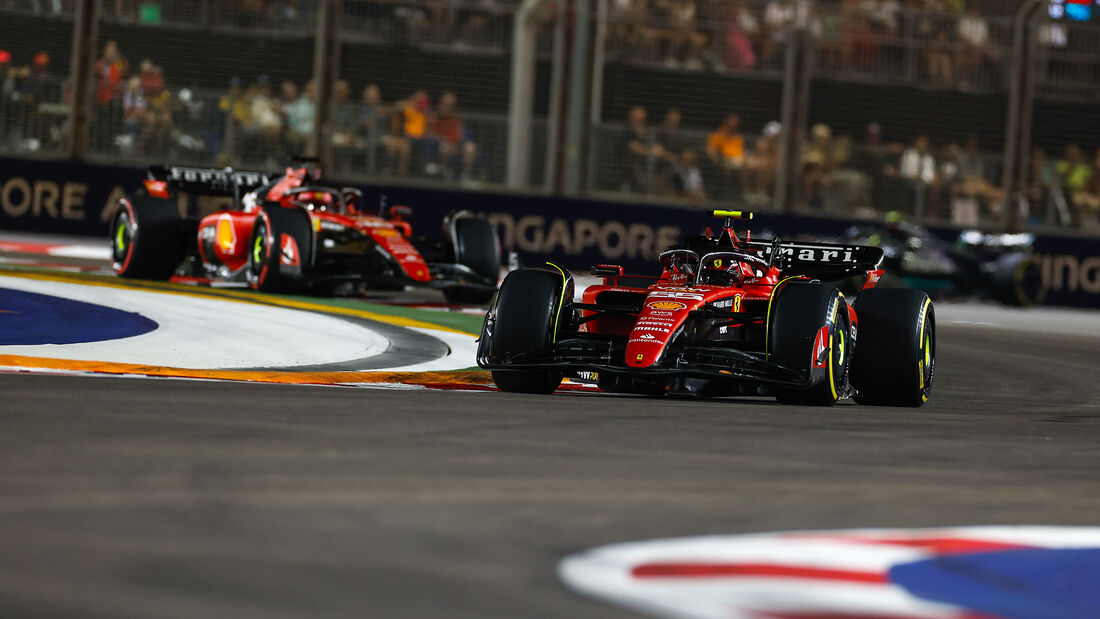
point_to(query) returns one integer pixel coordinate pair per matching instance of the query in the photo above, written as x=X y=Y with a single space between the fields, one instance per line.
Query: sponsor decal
x=654 y=313
x=227 y=237
x=658 y=329
x=288 y=251
x=666 y=305
x=948 y=573
x=821 y=342
x=638 y=357
x=668 y=294
x=385 y=232
x=663 y=322
x=815 y=253
x=646 y=336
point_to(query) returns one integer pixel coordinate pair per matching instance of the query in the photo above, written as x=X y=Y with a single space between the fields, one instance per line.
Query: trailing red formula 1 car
x=295 y=233
x=726 y=316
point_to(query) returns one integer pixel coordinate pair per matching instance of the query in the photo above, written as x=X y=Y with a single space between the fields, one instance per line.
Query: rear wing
x=819 y=260
x=210 y=181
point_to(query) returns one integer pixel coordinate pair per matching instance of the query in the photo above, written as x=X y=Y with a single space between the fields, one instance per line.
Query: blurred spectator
x=687 y=178
x=726 y=153
x=158 y=127
x=456 y=145
x=298 y=110
x=264 y=126
x=684 y=42
x=918 y=167
x=152 y=78
x=778 y=17
x=133 y=111
x=671 y=139
x=761 y=168
x=344 y=115
x=1076 y=175
x=973 y=32
x=639 y=151
x=110 y=70
x=742 y=27
x=373 y=116
x=816 y=164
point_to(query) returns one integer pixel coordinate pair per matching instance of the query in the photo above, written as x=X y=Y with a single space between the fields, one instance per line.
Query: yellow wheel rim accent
x=120 y=236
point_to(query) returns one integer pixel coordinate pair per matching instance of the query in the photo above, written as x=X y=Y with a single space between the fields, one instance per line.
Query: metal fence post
x=794 y=109
x=551 y=182
x=326 y=60
x=576 y=140
x=1018 y=129
x=522 y=94
x=85 y=33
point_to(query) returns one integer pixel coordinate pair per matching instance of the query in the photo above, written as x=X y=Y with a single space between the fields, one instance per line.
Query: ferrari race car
x=726 y=316
x=294 y=233
x=991 y=266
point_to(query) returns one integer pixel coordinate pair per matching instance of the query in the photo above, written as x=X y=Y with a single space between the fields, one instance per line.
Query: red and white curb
x=838 y=574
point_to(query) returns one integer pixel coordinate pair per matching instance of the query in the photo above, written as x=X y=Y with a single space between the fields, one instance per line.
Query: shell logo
x=666 y=305
x=227 y=237
x=385 y=232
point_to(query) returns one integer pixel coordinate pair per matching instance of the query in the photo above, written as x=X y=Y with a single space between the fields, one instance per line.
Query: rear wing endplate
x=210 y=181
x=820 y=260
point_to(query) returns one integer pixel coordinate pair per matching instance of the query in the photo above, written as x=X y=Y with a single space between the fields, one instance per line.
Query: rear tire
x=800 y=312
x=527 y=311
x=147 y=239
x=895 y=359
x=274 y=264
x=1018 y=280
x=476 y=247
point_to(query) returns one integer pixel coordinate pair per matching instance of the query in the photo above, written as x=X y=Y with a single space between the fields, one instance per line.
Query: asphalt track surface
x=138 y=497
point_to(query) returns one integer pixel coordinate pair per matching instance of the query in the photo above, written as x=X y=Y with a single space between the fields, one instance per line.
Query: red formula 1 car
x=726 y=316
x=295 y=233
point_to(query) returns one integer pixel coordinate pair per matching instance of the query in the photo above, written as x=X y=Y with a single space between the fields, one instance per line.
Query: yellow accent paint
x=227 y=238
x=263 y=376
x=561 y=302
x=734 y=214
x=238 y=296
x=832 y=380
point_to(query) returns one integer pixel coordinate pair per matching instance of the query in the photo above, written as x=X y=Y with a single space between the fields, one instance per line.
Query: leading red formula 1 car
x=726 y=316
x=297 y=233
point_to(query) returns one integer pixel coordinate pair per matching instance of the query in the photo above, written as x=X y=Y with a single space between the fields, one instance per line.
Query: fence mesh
x=903 y=105
x=705 y=126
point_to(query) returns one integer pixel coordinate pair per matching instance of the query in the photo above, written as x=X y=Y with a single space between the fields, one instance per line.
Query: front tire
x=527 y=313
x=896 y=357
x=147 y=239
x=1018 y=280
x=280 y=251
x=475 y=246
x=809 y=330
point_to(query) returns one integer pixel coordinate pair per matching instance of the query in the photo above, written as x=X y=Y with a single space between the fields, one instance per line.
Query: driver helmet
x=720 y=271
x=321 y=201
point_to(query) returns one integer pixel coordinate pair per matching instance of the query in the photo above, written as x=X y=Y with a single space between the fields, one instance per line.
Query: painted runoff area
x=48 y=323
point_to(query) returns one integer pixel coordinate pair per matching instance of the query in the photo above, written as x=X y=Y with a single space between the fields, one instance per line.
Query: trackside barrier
x=59 y=197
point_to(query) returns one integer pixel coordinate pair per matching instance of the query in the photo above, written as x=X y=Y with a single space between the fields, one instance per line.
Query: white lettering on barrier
x=20 y=197
x=1070 y=273
x=613 y=239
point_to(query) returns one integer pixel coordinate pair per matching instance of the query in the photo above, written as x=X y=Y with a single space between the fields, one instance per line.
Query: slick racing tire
x=475 y=245
x=280 y=251
x=147 y=238
x=895 y=358
x=1018 y=280
x=809 y=330
x=527 y=312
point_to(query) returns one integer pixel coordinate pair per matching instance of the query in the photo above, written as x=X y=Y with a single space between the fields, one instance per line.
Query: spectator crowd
x=953 y=181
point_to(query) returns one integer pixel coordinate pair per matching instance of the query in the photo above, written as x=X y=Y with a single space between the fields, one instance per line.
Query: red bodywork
x=223 y=237
x=672 y=298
